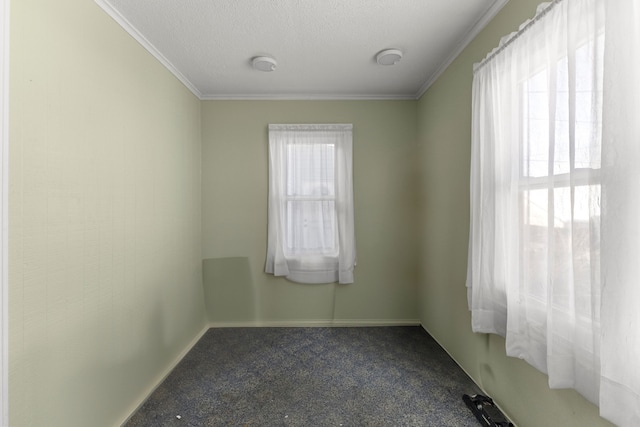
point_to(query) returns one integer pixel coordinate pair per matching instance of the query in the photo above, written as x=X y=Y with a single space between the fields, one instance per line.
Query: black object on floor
x=486 y=411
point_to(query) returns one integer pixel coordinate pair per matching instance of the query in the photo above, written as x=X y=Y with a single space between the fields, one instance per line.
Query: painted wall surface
x=110 y=221
x=444 y=132
x=234 y=194
x=105 y=217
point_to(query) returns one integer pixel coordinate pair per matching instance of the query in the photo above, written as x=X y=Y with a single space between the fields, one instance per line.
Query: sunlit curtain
x=311 y=232
x=554 y=252
x=620 y=315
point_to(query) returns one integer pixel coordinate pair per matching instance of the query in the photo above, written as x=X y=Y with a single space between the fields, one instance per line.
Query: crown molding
x=306 y=97
x=133 y=32
x=482 y=22
x=490 y=13
x=146 y=44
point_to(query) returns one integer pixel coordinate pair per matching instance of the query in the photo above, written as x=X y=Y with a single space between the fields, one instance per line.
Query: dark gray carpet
x=370 y=376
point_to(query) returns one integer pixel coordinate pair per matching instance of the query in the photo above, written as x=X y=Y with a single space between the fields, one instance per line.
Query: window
x=311 y=233
x=311 y=199
x=559 y=185
x=534 y=272
x=555 y=175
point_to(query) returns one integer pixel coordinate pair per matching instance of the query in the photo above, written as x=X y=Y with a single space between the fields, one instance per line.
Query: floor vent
x=486 y=411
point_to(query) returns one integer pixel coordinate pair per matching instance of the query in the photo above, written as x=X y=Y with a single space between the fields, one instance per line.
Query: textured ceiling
x=325 y=48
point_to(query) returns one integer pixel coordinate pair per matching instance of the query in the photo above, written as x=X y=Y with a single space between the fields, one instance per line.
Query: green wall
x=127 y=194
x=234 y=195
x=445 y=152
x=105 y=288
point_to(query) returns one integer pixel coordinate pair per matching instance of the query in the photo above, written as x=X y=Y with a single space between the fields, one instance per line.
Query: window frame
x=576 y=177
x=300 y=253
x=322 y=266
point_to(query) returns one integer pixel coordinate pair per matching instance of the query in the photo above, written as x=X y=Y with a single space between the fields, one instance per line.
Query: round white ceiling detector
x=264 y=63
x=389 y=57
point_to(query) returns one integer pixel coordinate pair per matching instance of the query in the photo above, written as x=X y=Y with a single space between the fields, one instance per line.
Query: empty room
x=141 y=206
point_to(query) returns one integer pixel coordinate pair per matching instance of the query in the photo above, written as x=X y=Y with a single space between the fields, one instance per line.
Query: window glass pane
x=536 y=127
x=586 y=246
x=561 y=236
x=311 y=227
x=535 y=242
x=587 y=111
x=588 y=130
x=575 y=244
x=561 y=149
x=563 y=260
x=311 y=170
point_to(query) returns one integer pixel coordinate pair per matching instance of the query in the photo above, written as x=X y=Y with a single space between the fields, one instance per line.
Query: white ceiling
x=325 y=49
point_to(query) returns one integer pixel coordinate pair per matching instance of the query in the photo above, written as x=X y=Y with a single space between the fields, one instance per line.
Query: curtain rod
x=312 y=126
x=514 y=36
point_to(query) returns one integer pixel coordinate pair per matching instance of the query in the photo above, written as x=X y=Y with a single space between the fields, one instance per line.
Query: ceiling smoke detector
x=264 y=63
x=389 y=57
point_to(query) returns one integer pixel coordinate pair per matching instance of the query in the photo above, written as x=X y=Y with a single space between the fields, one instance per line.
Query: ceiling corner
x=482 y=22
x=146 y=44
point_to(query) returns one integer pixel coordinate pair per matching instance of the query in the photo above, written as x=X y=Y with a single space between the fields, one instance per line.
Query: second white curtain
x=311 y=236
x=554 y=253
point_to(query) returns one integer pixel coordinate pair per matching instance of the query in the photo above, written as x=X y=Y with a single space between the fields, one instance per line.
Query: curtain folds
x=620 y=354
x=555 y=218
x=311 y=235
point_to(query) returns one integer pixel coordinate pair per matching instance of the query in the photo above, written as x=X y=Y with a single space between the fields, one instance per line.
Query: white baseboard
x=478 y=383
x=134 y=408
x=315 y=323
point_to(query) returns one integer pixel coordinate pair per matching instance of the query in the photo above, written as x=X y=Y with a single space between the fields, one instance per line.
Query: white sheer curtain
x=311 y=235
x=554 y=251
x=620 y=354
